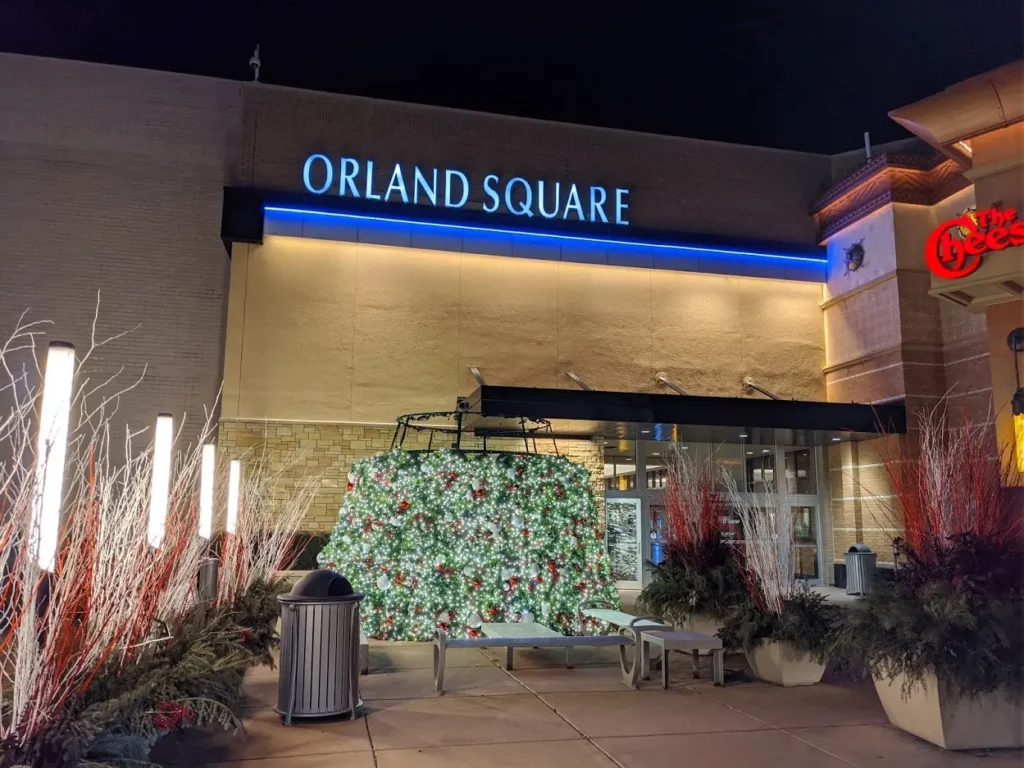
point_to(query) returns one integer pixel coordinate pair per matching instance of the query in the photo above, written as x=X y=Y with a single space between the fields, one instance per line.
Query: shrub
x=312 y=545
x=807 y=622
x=955 y=607
x=961 y=617
x=699 y=573
x=678 y=590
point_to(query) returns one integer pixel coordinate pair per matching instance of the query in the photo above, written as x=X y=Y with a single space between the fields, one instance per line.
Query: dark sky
x=800 y=74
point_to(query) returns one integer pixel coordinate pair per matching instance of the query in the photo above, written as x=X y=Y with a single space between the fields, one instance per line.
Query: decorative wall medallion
x=854 y=257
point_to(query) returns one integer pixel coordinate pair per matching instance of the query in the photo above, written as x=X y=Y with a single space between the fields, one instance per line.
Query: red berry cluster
x=169 y=714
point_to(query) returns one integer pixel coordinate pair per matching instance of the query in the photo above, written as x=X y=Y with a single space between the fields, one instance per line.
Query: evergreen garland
x=451 y=539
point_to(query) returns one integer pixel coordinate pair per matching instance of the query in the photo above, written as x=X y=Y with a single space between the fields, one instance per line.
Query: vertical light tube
x=51 y=452
x=161 y=483
x=206 y=492
x=234 y=484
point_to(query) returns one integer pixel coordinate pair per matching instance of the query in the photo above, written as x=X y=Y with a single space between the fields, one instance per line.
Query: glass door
x=623 y=506
x=805 y=530
x=624 y=540
x=800 y=494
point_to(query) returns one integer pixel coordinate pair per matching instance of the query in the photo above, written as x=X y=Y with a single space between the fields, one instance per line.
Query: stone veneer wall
x=299 y=450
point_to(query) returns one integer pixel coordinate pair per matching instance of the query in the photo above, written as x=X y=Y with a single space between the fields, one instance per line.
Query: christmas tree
x=452 y=540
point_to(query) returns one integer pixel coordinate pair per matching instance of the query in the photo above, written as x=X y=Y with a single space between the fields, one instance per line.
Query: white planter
x=991 y=721
x=784 y=665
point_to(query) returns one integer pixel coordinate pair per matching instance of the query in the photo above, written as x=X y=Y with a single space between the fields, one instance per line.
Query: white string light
x=51 y=452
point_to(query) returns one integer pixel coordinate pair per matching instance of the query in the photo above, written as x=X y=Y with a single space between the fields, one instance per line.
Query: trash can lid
x=862 y=549
x=321 y=586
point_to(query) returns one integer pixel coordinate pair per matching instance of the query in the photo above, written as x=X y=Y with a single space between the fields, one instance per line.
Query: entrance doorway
x=636 y=474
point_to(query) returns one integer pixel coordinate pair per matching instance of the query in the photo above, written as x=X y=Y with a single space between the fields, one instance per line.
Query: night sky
x=799 y=74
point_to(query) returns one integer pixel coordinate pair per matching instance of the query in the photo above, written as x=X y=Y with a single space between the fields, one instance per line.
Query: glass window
x=624 y=538
x=729 y=458
x=800 y=476
x=655 y=470
x=620 y=465
x=657 y=534
x=806 y=551
x=759 y=461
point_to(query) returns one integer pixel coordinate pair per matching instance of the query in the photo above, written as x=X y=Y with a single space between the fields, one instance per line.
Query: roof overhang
x=980 y=104
x=632 y=415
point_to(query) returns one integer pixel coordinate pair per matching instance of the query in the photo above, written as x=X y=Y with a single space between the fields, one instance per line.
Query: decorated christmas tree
x=453 y=540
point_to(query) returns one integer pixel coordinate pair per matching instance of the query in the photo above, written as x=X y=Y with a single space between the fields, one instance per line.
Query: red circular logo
x=945 y=255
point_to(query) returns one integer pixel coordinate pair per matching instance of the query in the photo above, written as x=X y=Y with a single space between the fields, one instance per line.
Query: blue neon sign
x=451 y=188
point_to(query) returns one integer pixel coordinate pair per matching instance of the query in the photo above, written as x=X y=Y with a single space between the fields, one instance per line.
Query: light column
x=206 y=480
x=234 y=484
x=161 y=483
x=51 y=452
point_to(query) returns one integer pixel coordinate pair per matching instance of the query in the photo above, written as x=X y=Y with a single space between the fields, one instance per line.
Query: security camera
x=254 y=62
x=462 y=404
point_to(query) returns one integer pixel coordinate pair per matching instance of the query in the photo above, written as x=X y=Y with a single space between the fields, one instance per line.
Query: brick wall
x=676 y=183
x=111 y=177
x=887 y=338
x=110 y=184
x=298 y=450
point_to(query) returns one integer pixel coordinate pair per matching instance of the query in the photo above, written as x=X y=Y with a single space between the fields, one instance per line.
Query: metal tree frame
x=527 y=430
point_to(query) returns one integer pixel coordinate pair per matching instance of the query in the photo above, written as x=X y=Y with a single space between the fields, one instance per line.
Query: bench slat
x=558 y=641
x=518 y=630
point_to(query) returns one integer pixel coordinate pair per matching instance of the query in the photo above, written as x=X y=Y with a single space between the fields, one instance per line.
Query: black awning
x=651 y=410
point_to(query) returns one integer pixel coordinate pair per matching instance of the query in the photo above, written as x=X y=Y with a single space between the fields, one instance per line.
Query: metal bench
x=512 y=636
x=691 y=642
x=630 y=625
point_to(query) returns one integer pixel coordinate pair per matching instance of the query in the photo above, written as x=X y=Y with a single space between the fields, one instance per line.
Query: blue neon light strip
x=605 y=241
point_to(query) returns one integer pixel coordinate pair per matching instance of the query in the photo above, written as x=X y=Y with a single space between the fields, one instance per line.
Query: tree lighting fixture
x=161 y=482
x=51 y=451
x=234 y=482
x=206 y=480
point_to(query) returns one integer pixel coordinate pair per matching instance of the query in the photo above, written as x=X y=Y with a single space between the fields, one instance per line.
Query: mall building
x=328 y=264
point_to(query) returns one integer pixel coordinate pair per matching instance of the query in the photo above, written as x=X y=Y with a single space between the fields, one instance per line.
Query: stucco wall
x=336 y=331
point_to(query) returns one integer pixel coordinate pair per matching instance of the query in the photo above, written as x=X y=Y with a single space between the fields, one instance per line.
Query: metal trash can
x=860 y=569
x=319 y=670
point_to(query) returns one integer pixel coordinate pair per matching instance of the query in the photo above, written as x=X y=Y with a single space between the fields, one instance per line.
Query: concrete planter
x=991 y=721
x=782 y=664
